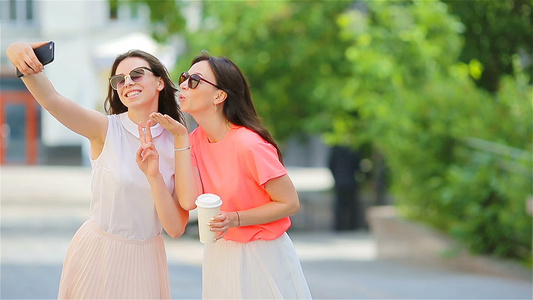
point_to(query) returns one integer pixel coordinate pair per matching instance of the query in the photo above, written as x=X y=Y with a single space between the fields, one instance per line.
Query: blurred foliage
x=400 y=77
x=495 y=31
x=417 y=103
x=290 y=52
x=165 y=16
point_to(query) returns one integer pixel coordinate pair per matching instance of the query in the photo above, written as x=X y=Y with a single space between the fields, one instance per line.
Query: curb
x=402 y=240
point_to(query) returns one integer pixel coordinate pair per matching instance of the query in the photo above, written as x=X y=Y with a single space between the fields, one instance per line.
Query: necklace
x=228 y=126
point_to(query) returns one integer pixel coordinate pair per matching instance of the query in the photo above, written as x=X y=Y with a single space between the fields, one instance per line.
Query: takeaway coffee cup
x=208 y=206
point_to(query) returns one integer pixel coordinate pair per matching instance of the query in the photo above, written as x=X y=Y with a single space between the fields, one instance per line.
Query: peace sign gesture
x=147 y=157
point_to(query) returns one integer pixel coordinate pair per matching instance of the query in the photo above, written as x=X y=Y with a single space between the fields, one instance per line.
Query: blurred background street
x=406 y=127
x=42 y=207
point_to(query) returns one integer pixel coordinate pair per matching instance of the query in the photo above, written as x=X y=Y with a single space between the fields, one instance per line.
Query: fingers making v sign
x=147 y=156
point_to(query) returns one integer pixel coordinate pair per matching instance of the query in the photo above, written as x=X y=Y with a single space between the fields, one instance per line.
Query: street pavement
x=42 y=207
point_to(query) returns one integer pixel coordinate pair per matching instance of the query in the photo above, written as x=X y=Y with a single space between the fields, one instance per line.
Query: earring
x=215 y=106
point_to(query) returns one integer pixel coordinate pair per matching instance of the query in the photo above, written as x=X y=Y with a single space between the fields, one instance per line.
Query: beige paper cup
x=207 y=206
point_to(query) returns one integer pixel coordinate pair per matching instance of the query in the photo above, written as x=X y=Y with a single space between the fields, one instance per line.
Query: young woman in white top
x=118 y=253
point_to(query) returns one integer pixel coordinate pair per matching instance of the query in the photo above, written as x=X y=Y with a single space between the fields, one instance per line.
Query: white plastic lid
x=208 y=201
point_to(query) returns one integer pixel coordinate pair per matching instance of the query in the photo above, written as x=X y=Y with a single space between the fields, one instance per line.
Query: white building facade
x=88 y=35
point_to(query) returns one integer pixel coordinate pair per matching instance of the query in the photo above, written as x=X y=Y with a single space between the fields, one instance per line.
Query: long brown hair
x=238 y=107
x=167 y=103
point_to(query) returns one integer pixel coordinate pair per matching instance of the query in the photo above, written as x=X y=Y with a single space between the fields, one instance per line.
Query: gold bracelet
x=182 y=149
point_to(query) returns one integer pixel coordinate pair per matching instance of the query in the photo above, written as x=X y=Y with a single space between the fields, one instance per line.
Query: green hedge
x=459 y=157
x=461 y=161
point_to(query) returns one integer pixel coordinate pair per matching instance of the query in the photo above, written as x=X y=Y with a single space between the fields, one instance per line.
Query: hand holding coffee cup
x=208 y=206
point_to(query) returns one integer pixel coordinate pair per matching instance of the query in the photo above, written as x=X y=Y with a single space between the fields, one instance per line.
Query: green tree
x=165 y=16
x=418 y=105
x=290 y=52
x=495 y=32
x=395 y=75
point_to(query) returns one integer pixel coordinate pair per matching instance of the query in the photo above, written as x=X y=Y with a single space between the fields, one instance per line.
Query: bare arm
x=172 y=216
x=284 y=203
x=188 y=185
x=86 y=122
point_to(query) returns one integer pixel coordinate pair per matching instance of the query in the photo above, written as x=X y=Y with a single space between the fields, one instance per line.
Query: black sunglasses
x=194 y=80
x=136 y=75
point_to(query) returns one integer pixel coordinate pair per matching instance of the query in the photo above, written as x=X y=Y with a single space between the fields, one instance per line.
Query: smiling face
x=139 y=95
x=203 y=97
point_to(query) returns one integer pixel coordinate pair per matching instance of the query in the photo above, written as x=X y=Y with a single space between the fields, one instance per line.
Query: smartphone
x=44 y=53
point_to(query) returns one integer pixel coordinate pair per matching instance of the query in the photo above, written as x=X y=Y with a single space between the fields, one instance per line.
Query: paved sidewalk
x=42 y=207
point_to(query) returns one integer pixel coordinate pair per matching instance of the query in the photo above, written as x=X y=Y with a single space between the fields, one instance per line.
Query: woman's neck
x=215 y=128
x=140 y=116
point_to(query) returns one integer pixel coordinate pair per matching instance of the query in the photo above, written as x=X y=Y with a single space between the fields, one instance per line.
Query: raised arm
x=188 y=184
x=86 y=122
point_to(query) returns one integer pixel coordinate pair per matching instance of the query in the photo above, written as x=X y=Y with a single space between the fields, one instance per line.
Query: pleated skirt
x=254 y=270
x=99 y=265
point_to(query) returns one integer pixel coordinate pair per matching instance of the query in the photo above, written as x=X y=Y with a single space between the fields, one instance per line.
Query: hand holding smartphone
x=44 y=53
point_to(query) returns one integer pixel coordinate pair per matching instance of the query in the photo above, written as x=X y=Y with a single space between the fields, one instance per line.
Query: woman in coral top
x=232 y=155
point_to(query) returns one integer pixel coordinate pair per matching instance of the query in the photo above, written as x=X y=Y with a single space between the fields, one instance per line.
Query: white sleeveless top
x=122 y=202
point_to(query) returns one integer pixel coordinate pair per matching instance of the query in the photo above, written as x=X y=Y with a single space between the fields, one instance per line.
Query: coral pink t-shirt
x=237 y=168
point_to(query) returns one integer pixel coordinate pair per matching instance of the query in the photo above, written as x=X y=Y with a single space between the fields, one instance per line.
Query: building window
x=29 y=10
x=113 y=9
x=17 y=11
x=126 y=11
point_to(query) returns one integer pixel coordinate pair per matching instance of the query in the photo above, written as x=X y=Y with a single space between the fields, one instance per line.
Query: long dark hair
x=238 y=107
x=167 y=103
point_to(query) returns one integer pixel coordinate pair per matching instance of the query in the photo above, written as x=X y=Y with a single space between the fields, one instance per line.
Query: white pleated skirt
x=99 y=265
x=254 y=270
